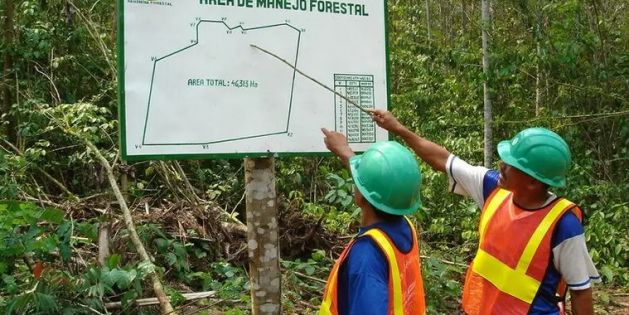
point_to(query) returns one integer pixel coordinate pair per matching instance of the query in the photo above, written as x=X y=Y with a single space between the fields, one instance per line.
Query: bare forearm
x=337 y=144
x=582 y=302
x=435 y=155
x=345 y=157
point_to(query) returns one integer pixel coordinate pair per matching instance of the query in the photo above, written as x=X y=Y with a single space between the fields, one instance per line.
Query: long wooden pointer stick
x=313 y=80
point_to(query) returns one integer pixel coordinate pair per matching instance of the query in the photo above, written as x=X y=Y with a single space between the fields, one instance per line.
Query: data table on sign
x=351 y=121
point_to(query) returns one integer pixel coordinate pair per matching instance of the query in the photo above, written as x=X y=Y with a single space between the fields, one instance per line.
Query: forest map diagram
x=193 y=86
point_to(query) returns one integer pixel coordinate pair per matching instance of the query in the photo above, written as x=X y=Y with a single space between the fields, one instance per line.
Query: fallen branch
x=46 y=202
x=309 y=277
x=198 y=310
x=447 y=262
x=235 y=228
x=154 y=300
x=308 y=305
x=164 y=302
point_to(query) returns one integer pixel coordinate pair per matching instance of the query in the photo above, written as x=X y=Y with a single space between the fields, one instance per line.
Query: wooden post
x=428 y=22
x=262 y=236
x=538 y=51
x=7 y=96
x=487 y=113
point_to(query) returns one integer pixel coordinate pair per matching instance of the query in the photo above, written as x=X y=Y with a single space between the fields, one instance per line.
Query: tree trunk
x=538 y=78
x=7 y=93
x=485 y=24
x=538 y=51
x=464 y=18
x=428 y=22
x=262 y=236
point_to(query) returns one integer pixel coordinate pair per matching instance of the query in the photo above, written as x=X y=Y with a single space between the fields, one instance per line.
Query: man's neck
x=369 y=217
x=528 y=200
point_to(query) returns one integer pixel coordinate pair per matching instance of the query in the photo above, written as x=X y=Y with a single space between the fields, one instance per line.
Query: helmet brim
x=354 y=162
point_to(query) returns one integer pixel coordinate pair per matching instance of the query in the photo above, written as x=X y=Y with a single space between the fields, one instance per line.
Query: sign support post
x=262 y=236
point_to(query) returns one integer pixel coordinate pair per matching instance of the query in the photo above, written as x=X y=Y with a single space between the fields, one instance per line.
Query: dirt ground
x=611 y=301
x=607 y=301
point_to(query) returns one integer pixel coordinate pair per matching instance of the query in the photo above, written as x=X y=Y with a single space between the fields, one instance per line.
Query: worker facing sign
x=531 y=248
x=382 y=262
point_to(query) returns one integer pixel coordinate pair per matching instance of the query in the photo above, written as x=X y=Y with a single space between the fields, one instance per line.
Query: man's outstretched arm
x=435 y=155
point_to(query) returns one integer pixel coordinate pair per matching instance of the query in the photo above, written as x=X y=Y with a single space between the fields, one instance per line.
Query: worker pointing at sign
x=379 y=271
x=532 y=247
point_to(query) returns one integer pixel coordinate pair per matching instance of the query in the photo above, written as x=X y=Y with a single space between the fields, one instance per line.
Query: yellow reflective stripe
x=540 y=232
x=490 y=210
x=327 y=301
x=378 y=236
x=510 y=281
x=516 y=282
x=324 y=309
x=415 y=241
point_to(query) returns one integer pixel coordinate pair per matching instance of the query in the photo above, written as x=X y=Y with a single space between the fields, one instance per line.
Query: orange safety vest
x=406 y=289
x=513 y=255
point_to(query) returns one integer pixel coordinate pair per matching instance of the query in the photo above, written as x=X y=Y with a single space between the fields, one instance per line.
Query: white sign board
x=192 y=86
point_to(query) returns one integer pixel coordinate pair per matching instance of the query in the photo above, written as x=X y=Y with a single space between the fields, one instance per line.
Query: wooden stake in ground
x=262 y=236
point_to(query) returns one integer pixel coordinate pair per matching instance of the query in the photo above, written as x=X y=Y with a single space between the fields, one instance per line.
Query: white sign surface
x=193 y=86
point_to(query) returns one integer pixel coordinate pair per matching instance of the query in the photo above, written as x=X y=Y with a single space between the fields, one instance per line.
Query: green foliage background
x=59 y=67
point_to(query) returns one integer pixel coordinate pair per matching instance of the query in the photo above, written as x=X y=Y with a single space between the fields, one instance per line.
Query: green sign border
x=195 y=156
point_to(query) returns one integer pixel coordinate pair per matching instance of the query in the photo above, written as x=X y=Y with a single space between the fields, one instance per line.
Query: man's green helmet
x=540 y=153
x=388 y=176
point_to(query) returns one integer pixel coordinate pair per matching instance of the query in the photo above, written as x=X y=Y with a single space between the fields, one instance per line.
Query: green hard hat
x=540 y=153
x=388 y=176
